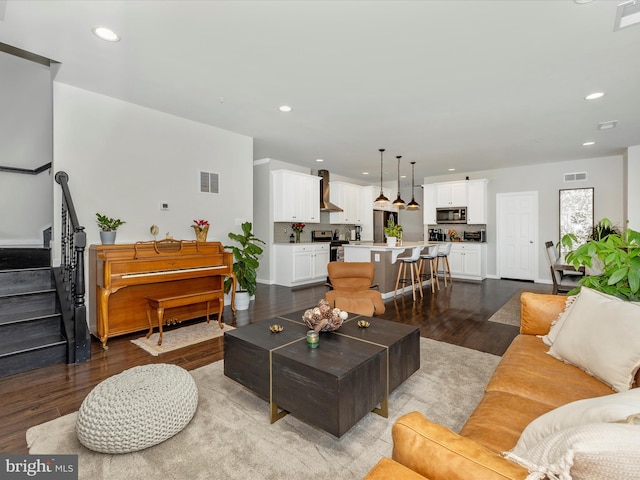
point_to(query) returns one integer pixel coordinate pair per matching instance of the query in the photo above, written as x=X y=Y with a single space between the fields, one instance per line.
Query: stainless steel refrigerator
x=380 y=218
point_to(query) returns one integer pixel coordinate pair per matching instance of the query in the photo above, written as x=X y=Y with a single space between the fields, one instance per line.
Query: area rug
x=181 y=337
x=230 y=436
x=509 y=313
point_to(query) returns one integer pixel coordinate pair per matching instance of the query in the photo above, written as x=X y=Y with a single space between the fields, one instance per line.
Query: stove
x=336 y=253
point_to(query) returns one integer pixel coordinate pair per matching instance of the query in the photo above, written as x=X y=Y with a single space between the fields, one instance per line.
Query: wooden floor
x=457 y=315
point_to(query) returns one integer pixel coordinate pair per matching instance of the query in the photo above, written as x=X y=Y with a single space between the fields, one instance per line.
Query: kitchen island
x=468 y=261
x=385 y=260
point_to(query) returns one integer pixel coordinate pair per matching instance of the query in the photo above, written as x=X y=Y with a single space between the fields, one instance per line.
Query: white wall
x=604 y=174
x=123 y=160
x=25 y=142
x=632 y=192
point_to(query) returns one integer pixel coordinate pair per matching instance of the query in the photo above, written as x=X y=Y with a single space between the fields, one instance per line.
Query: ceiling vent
x=575 y=177
x=209 y=182
x=607 y=125
x=628 y=14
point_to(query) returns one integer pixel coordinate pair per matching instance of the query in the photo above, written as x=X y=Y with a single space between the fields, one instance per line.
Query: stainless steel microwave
x=451 y=215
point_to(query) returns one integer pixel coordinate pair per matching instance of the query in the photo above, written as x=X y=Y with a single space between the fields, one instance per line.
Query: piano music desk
x=162 y=303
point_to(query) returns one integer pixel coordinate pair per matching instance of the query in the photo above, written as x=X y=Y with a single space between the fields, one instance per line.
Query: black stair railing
x=70 y=280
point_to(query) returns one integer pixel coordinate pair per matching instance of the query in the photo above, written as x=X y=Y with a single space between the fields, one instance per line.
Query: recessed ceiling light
x=588 y=144
x=452 y=169
x=285 y=108
x=105 y=33
x=582 y=2
x=319 y=160
x=594 y=96
x=403 y=176
x=365 y=173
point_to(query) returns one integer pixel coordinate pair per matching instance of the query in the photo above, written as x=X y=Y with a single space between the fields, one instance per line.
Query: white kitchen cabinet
x=451 y=194
x=298 y=264
x=296 y=197
x=349 y=198
x=429 y=203
x=467 y=261
x=477 y=201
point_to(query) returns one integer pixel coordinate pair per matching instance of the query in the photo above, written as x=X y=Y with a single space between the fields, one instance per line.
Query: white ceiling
x=470 y=85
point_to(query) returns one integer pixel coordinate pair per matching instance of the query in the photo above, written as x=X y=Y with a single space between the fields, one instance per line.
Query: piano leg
x=160 y=312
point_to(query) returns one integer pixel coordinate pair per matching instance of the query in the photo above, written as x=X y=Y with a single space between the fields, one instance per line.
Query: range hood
x=325 y=204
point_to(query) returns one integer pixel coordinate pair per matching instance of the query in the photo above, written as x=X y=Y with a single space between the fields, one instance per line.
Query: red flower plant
x=298 y=227
x=200 y=224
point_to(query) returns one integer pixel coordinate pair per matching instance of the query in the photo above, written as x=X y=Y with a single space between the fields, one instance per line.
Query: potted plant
x=614 y=261
x=393 y=232
x=201 y=227
x=245 y=264
x=108 y=227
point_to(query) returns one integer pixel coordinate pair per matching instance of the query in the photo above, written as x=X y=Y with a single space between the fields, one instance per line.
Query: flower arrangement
x=452 y=234
x=298 y=227
x=200 y=225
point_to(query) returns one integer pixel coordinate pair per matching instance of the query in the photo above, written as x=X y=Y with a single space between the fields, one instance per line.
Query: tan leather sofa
x=526 y=384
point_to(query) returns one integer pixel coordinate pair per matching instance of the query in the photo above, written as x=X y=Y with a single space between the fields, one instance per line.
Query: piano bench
x=159 y=304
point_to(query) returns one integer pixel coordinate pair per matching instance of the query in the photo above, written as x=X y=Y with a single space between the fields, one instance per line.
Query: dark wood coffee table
x=333 y=386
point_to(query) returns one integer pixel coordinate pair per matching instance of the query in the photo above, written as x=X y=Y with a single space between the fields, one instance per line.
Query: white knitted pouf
x=137 y=409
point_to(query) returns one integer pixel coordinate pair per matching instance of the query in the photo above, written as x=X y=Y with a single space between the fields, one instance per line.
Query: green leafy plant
x=602 y=229
x=392 y=229
x=614 y=259
x=245 y=259
x=107 y=224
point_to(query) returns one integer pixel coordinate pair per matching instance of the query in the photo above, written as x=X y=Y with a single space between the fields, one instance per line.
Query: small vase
x=297 y=237
x=201 y=233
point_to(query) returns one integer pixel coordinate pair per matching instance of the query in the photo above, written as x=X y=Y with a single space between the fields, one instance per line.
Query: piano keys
x=121 y=276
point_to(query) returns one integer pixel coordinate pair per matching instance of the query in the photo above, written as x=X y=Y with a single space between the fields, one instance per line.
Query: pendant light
x=398 y=202
x=381 y=200
x=413 y=205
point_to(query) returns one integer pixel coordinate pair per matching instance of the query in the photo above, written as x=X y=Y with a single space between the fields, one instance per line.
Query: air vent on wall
x=209 y=182
x=575 y=177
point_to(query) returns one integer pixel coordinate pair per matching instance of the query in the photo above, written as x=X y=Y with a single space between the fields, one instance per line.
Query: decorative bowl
x=363 y=323
x=276 y=328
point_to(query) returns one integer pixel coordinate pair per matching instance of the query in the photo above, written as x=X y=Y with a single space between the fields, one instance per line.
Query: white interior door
x=517 y=233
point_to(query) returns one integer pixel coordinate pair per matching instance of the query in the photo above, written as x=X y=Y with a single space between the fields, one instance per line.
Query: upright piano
x=121 y=276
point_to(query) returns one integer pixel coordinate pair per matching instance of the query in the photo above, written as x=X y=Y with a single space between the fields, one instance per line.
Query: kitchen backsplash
x=282 y=231
x=460 y=228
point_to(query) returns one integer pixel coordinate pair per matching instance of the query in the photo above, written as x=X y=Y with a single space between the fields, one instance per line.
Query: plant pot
x=242 y=300
x=201 y=232
x=391 y=241
x=108 y=238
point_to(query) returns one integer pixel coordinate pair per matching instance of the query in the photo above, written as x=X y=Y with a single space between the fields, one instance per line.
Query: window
x=576 y=214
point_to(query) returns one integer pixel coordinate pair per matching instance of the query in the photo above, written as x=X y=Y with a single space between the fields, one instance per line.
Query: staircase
x=31 y=326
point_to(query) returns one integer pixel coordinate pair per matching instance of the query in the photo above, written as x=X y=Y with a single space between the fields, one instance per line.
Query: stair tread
x=32 y=343
x=25 y=290
x=25 y=316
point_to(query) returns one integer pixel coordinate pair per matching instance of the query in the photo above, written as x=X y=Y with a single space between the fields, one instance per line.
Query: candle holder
x=313 y=338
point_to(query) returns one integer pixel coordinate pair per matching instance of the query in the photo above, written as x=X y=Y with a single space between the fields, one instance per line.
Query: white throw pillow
x=596 y=451
x=556 y=325
x=601 y=336
x=609 y=408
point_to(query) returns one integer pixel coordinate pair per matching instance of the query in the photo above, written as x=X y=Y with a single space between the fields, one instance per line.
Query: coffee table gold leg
x=383 y=410
x=275 y=414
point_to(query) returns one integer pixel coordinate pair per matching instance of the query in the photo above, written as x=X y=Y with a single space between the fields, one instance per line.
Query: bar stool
x=412 y=263
x=431 y=257
x=446 y=270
